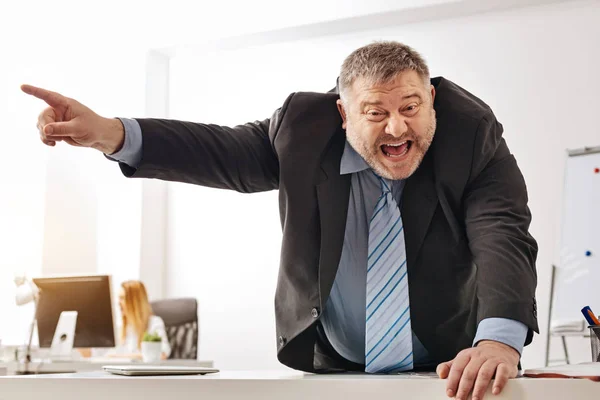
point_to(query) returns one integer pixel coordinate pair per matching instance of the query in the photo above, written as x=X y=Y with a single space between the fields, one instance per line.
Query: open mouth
x=396 y=151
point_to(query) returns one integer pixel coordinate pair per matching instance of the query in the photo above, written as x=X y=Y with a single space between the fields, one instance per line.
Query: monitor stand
x=64 y=335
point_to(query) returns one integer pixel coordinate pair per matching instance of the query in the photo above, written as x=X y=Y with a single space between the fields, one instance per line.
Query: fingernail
x=495 y=390
x=449 y=392
x=49 y=130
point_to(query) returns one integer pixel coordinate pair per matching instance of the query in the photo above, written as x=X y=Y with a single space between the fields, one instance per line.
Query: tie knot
x=386 y=188
x=389 y=197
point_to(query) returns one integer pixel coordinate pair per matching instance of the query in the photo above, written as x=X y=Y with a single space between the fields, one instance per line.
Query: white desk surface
x=265 y=385
x=91 y=364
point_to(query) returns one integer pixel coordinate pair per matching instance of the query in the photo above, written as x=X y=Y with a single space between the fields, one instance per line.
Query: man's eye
x=375 y=115
x=411 y=109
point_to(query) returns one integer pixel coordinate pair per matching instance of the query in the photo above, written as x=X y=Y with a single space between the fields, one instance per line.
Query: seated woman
x=137 y=319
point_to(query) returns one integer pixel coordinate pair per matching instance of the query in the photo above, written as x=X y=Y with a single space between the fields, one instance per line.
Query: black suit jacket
x=469 y=253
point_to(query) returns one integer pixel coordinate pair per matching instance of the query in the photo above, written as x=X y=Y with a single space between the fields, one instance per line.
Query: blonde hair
x=137 y=310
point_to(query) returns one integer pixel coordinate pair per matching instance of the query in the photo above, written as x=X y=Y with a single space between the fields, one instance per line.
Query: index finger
x=52 y=98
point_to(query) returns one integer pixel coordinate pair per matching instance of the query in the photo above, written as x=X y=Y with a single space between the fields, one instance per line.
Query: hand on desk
x=474 y=368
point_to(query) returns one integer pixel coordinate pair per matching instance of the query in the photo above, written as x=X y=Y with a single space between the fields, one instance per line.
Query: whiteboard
x=577 y=274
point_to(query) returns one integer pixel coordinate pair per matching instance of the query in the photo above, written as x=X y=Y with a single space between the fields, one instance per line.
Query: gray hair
x=379 y=63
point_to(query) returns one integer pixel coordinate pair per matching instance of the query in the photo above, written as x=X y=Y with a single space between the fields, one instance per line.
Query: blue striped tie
x=388 y=346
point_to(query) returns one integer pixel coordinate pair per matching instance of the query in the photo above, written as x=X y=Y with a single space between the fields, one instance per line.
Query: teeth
x=395 y=144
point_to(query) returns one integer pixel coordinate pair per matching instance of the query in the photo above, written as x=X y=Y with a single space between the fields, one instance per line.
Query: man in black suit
x=404 y=215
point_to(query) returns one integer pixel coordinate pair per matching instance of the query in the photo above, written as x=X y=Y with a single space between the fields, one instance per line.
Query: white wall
x=22 y=190
x=64 y=210
x=535 y=67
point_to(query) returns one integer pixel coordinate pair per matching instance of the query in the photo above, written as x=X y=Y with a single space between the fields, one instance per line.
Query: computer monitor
x=90 y=296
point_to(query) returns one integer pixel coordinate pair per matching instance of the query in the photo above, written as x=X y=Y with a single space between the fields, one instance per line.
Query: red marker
x=597 y=170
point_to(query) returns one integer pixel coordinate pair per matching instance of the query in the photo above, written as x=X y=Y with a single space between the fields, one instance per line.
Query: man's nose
x=396 y=126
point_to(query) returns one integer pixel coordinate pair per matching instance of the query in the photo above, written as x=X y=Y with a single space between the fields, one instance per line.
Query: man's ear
x=342 y=111
x=432 y=93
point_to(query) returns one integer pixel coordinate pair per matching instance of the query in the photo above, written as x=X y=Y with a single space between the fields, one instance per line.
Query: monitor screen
x=90 y=296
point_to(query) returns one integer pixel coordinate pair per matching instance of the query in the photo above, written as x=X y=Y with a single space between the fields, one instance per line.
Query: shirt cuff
x=508 y=331
x=131 y=152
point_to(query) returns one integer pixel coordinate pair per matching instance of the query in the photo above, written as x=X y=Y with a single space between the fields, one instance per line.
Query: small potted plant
x=151 y=347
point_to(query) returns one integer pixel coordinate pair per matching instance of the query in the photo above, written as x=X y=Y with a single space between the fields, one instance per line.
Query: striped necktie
x=388 y=346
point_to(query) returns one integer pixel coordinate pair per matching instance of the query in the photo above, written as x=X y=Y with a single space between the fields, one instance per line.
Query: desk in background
x=90 y=364
x=262 y=385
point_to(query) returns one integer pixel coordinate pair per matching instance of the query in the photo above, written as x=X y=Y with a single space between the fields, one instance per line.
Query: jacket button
x=314 y=312
x=282 y=340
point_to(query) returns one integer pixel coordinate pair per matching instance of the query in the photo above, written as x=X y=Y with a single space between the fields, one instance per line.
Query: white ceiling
x=67 y=24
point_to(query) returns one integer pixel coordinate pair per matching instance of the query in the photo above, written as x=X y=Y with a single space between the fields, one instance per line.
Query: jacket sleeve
x=240 y=158
x=497 y=223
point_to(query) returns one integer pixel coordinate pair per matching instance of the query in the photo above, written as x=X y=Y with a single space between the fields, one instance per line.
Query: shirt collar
x=352 y=161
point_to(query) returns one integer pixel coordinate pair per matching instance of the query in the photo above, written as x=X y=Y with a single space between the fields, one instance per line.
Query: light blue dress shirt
x=131 y=152
x=343 y=318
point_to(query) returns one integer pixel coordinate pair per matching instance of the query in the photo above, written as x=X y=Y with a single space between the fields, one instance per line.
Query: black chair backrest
x=181 y=323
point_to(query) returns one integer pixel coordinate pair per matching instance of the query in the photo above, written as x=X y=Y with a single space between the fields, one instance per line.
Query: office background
x=70 y=211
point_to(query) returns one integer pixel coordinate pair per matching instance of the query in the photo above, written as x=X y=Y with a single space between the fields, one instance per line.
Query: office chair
x=181 y=323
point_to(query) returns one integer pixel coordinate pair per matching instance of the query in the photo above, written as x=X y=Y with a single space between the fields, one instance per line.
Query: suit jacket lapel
x=333 y=194
x=419 y=201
